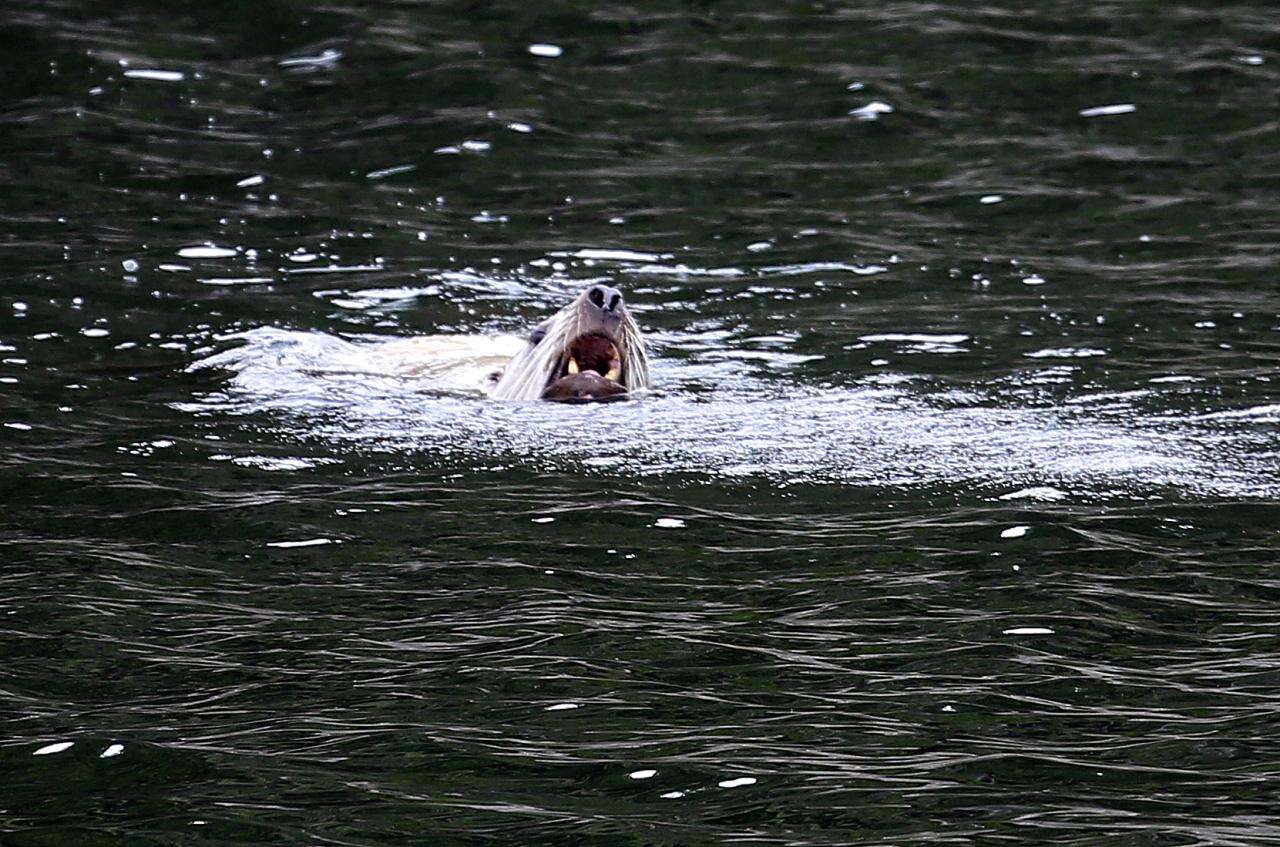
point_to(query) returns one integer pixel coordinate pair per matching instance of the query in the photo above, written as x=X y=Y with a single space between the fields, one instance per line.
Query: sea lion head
x=589 y=350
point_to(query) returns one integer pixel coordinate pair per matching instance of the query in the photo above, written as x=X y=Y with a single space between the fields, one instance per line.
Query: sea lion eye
x=536 y=337
x=596 y=296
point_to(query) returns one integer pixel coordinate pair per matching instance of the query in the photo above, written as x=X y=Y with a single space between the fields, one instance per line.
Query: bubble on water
x=250 y=181
x=1028 y=630
x=990 y=199
x=130 y=265
x=547 y=51
x=111 y=751
x=669 y=523
x=1014 y=532
x=643 y=774
x=561 y=707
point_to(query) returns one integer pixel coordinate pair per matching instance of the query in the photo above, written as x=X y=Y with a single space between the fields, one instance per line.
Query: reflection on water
x=951 y=518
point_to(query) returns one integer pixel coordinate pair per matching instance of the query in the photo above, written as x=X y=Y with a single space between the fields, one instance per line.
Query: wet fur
x=533 y=368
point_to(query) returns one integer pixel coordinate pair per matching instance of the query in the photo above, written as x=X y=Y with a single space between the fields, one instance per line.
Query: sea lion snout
x=608 y=300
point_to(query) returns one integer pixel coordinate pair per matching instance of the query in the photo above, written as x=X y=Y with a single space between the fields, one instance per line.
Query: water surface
x=950 y=520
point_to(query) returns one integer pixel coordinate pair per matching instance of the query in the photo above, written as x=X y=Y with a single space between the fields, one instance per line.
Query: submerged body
x=591 y=350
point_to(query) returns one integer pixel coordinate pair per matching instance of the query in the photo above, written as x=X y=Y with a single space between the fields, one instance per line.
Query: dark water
x=953 y=518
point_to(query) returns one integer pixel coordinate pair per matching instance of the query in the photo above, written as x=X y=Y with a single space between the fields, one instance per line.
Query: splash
x=884 y=432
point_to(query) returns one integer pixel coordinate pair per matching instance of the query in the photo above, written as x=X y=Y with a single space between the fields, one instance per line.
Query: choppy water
x=951 y=520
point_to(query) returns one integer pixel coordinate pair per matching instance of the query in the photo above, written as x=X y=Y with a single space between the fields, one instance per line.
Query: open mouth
x=591 y=372
x=593 y=353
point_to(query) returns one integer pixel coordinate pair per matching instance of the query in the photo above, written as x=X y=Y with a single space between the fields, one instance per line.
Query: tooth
x=573 y=366
x=614 y=372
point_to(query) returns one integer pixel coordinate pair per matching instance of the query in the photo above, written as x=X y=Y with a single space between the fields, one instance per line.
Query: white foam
x=57 y=747
x=916 y=337
x=1100 y=111
x=872 y=111
x=1038 y=492
x=737 y=783
x=311 y=542
x=385 y=172
x=156 y=75
x=727 y=418
x=327 y=57
x=610 y=255
x=206 y=251
x=1066 y=353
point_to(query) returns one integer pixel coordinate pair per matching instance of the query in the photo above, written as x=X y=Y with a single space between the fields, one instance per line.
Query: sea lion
x=591 y=350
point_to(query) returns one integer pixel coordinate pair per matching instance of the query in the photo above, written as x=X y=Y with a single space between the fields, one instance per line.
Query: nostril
x=596 y=296
x=614 y=302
